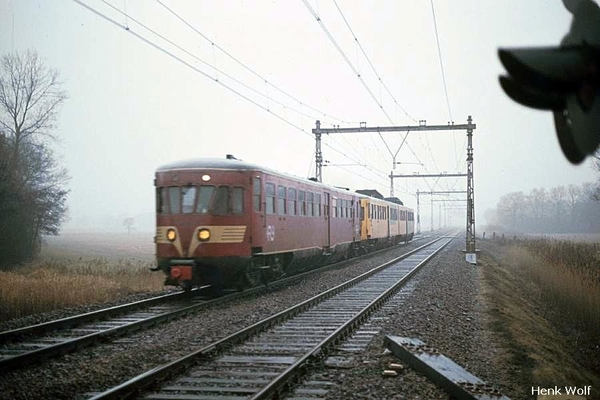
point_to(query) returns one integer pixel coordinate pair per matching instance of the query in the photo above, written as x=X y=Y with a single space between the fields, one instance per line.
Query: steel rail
x=161 y=373
x=97 y=315
x=279 y=384
x=66 y=345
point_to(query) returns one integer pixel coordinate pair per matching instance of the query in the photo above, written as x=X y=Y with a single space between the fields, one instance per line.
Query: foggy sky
x=132 y=108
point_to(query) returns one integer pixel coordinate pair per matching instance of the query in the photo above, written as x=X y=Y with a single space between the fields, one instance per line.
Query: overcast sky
x=133 y=107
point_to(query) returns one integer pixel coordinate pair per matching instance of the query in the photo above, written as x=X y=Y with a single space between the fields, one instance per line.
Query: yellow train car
x=384 y=221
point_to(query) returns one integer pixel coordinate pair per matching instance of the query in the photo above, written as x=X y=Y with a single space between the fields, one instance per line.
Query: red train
x=232 y=224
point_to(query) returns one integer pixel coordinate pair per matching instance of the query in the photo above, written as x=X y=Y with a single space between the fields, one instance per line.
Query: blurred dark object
x=564 y=80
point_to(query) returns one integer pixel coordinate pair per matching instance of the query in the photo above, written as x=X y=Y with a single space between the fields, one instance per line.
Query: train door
x=366 y=226
x=327 y=215
x=387 y=217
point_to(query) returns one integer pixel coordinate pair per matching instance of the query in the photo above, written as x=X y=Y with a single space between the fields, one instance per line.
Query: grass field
x=544 y=296
x=77 y=269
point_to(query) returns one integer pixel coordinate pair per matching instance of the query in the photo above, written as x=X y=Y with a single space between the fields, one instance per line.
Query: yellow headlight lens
x=204 y=234
x=171 y=235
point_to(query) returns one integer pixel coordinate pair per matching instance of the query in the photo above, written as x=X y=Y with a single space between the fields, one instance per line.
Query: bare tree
x=573 y=194
x=557 y=197
x=511 y=208
x=32 y=197
x=30 y=98
x=539 y=200
x=596 y=165
x=128 y=224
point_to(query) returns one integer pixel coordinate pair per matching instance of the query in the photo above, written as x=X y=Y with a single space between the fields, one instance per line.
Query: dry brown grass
x=568 y=275
x=531 y=300
x=47 y=285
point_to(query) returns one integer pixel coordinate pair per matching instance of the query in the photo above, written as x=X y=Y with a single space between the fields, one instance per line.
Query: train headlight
x=171 y=235
x=203 y=234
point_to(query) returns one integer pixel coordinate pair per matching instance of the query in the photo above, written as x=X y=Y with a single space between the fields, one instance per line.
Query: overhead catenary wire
x=196 y=69
x=437 y=39
x=213 y=66
x=382 y=83
x=246 y=67
x=357 y=73
x=179 y=17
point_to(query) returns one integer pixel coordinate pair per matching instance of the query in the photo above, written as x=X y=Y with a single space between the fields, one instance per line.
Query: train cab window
x=221 y=200
x=256 y=188
x=270 y=198
x=301 y=202
x=162 y=201
x=281 y=200
x=291 y=201
x=188 y=199
x=175 y=199
x=204 y=196
x=237 y=200
x=310 y=198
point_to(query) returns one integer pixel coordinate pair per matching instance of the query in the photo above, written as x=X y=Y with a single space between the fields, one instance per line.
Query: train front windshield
x=201 y=199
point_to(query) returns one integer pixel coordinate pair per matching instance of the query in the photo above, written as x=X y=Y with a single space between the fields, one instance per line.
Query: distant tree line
x=32 y=183
x=562 y=209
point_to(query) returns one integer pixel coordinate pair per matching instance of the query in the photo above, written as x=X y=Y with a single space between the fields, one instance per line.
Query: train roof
x=211 y=163
x=232 y=163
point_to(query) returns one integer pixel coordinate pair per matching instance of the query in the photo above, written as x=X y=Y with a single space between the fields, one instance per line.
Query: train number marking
x=270 y=233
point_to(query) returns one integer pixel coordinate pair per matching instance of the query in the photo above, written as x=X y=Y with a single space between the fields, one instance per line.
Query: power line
x=345 y=57
x=192 y=67
x=246 y=67
x=370 y=63
x=259 y=93
x=437 y=39
x=355 y=71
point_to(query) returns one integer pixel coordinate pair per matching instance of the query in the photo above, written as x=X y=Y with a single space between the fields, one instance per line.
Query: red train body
x=232 y=224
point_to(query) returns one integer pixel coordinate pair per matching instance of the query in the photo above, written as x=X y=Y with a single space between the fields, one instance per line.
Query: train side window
x=162 y=202
x=334 y=213
x=204 y=196
x=237 y=200
x=175 y=199
x=310 y=203
x=188 y=199
x=301 y=202
x=317 y=204
x=256 y=201
x=270 y=197
x=291 y=199
x=281 y=200
x=221 y=200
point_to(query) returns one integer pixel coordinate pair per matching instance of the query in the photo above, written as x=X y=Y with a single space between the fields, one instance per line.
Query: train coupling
x=182 y=270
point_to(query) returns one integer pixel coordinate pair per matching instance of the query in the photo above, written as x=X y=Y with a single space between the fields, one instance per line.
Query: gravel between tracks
x=444 y=312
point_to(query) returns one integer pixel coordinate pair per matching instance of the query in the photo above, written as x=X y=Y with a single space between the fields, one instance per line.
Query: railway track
x=265 y=360
x=36 y=343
